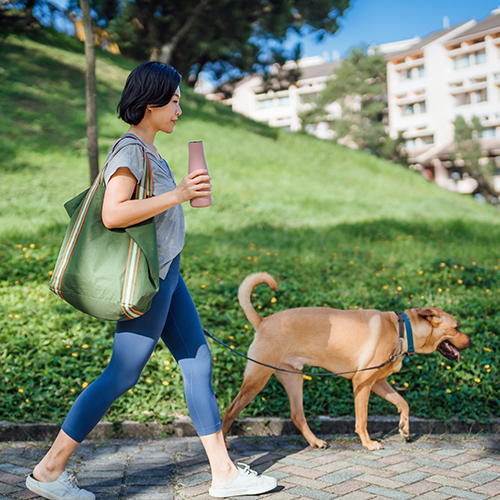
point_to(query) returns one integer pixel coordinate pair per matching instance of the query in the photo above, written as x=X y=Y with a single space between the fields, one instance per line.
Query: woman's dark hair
x=151 y=83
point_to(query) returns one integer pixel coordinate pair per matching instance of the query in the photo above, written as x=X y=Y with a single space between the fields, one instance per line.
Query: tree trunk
x=168 y=48
x=90 y=90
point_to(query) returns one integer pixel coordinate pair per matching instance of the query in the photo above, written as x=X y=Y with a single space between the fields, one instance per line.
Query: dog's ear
x=430 y=315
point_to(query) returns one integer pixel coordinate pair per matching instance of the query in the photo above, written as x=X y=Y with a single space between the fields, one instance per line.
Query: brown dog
x=339 y=341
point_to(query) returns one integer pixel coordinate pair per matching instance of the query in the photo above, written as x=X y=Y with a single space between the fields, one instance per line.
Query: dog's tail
x=245 y=295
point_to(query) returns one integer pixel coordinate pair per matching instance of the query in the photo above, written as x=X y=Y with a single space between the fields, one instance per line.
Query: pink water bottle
x=196 y=162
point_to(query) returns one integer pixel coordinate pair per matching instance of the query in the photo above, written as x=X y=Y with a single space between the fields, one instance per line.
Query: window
x=409 y=110
x=462 y=99
x=284 y=101
x=410 y=144
x=461 y=61
x=488 y=133
x=421 y=71
x=456 y=85
x=428 y=139
x=480 y=56
x=406 y=74
x=308 y=98
x=423 y=107
x=265 y=103
x=480 y=96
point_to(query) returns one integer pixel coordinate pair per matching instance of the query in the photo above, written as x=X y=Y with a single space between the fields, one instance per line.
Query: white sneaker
x=64 y=487
x=248 y=482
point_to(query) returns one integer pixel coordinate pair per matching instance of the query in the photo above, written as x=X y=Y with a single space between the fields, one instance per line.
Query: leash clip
x=395 y=354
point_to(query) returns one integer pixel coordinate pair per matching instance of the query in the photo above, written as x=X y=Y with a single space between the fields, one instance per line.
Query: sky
x=383 y=21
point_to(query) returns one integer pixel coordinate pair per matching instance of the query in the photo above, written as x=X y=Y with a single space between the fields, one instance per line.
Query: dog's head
x=444 y=335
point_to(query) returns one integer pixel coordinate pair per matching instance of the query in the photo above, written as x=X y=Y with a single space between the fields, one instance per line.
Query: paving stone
x=388 y=493
x=298 y=463
x=490 y=489
x=420 y=487
x=346 y=487
x=433 y=463
x=301 y=471
x=14 y=469
x=369 y=463
x=358 y=495
x=7 y=488
x=340 y=476
x=315 y=484
x=411 y=477
x=334 y=466
x=434 y=495
x=375 y=472
x=402 y=467
x=482 y=477
x=450 y=481
x=5 y=477
x=310 y=493
x=468 y=495
x=195 y=479
x=24 y=495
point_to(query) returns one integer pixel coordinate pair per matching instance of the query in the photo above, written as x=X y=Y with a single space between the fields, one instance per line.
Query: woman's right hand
x=195 y=184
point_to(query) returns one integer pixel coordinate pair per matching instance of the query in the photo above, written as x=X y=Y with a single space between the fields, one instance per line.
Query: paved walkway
x=430 y=468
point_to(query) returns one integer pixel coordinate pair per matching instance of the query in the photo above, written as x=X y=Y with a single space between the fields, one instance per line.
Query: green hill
x=336 y=227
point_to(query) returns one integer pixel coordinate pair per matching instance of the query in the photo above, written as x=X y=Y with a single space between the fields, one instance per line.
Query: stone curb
x=248 y=427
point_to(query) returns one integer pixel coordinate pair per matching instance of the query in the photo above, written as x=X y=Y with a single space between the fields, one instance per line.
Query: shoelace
x=246 y=469
x=72 y=481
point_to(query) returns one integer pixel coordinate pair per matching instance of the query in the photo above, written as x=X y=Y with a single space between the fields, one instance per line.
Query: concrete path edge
x=249 y=427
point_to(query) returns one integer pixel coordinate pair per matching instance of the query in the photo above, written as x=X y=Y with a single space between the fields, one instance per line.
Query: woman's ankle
x=224 y=476
x=44 y=474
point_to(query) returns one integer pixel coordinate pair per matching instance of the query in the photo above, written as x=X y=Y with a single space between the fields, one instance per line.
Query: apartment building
x=281 y=107
x=455 y=71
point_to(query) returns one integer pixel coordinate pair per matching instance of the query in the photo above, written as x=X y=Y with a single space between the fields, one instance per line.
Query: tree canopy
x=222 y=36
x=359 y=85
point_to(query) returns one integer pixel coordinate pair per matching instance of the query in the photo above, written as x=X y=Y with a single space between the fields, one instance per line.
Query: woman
x=150 y=104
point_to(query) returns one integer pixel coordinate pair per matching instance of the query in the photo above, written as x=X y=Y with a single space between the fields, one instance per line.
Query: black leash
x=391 y=359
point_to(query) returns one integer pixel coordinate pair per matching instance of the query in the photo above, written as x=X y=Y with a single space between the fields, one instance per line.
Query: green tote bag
x=111 y=274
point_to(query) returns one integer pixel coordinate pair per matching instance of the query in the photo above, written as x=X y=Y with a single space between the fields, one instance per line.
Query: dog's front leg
x=362 y=390
x=384 y=390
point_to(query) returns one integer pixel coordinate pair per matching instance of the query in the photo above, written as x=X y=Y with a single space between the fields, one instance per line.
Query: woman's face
x=165 y=117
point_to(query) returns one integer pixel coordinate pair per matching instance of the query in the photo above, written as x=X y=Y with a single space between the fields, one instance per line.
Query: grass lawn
x=336 y=227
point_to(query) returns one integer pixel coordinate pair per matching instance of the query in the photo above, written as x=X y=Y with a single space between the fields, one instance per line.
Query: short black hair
x=151 y=83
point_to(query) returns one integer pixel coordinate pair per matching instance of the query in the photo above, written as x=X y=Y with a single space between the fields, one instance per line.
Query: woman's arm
x=119 y=210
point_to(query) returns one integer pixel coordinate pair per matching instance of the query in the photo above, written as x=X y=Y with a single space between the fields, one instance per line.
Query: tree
x=359 y=85
x=468 y=156
x=221 y=36
x=90 y=91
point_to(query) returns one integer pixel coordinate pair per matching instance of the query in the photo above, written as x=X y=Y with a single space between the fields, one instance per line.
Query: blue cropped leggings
x=174 y=318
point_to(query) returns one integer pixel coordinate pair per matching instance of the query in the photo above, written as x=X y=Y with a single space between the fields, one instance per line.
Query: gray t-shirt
x=170 y=229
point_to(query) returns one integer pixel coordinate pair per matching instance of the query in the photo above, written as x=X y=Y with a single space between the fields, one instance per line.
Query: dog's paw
x=404 y=430
x=373 y=445
x=319 y=443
